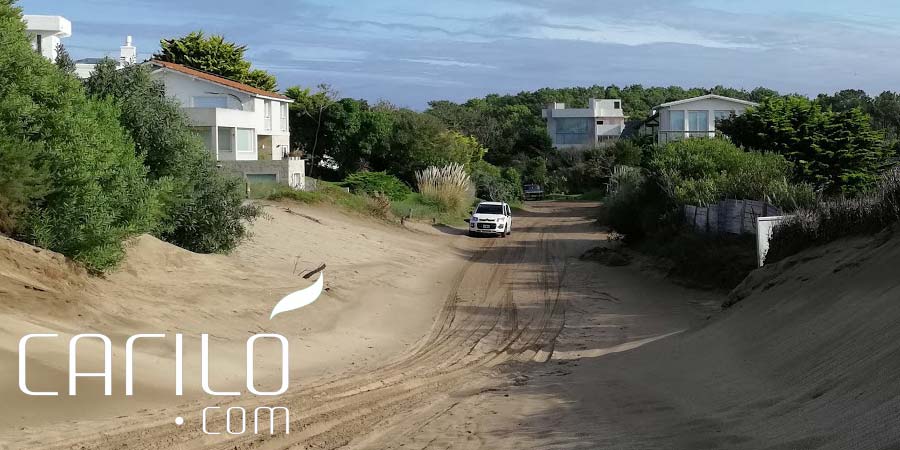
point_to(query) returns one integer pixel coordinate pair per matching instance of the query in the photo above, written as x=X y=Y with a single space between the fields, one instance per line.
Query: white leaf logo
x=299 y=299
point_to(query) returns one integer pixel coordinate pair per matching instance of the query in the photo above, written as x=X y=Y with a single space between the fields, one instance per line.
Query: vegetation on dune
x=449 y=187
x=84 y=189
x=647 y=203
x=832 y=219
x=371 y=183
x=84 y=167
x=704 y=171
x=837 y=152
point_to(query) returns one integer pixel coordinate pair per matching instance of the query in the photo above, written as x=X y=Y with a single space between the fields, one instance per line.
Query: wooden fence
x=728 y=216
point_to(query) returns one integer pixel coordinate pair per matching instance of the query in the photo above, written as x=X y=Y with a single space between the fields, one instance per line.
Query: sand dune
x=164 y=289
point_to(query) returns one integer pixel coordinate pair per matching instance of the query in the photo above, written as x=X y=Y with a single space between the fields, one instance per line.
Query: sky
x=411 y=52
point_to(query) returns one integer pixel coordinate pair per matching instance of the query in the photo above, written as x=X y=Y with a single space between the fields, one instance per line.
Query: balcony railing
x=663 y=136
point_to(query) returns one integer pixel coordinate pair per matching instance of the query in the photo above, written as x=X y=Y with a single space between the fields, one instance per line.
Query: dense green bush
x=836 y=152
x=495 y=184
x=371 y=183
x=638 y=207
x=835 y=218
x=98 y=192
x=204 y=210
x=23 y=179
x=704 y=171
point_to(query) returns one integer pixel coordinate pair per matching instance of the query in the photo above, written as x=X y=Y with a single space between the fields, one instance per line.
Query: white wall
x=710 y=105
x=598 y=110
x=45 y=32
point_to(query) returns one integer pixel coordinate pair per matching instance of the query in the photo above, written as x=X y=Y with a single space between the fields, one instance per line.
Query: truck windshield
x=489 y=209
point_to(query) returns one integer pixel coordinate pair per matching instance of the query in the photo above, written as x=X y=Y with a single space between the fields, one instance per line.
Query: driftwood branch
x=314 y=271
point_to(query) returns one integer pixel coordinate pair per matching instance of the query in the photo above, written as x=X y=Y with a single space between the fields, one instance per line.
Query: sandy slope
x=163 y=289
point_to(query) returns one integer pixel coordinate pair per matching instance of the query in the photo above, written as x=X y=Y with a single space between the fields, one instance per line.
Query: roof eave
x=252 y=94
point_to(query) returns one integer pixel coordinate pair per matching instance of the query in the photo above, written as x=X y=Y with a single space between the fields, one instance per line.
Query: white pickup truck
x=493 y=218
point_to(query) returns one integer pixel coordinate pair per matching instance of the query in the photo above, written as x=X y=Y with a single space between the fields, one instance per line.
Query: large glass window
x=722 y=115
x=573 y=130
x=284 y=117
x=698 y=121
x=268 y=113
x=210 y=101
x=676 y=120
x=243 y=138
x=226 y=139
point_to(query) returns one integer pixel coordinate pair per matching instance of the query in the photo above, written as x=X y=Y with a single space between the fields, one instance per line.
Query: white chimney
x=127 y=53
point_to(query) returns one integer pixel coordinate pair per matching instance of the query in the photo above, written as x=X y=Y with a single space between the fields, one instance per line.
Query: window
x=210 y=101
x=698 y=121
x=676 y=120
x=489 y=209
x=599 y=122
x=284 y=116
x=226 y=139
x=268 y=112
x=572 y=130
x=617 y=105
x=722 y=115
x=244 y=140
x=261 y=178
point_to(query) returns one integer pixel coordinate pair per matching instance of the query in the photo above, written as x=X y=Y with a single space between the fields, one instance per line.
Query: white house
x=694 y=117
x=601 y=122
x=244 y=127
x=45 y=33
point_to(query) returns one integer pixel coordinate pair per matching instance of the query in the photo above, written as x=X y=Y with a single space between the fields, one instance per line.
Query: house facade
x=45 y=33
x=245 y=128
x=602 y=122
x=693 y=117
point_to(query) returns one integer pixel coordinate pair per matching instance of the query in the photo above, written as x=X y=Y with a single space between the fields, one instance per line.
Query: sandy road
x=520 y=307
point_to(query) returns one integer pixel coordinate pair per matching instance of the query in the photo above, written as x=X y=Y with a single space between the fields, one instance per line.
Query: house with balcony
x=245 y=128
x=602 y=122
x=45 y=33
x=693 y=117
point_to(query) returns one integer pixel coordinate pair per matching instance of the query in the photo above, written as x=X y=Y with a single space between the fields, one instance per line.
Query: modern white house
x=45 y=33
x=603 y=121
x=693 y=117
x=245 y=128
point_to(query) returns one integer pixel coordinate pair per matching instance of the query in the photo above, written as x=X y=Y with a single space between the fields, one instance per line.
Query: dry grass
x=449 y=186
x=833 y=219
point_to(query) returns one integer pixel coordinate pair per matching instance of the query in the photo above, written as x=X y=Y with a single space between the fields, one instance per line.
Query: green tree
x=63 y=60
x=23 y=179
x=833 y=151
x=307 y=113
x=215 y=55
x=98 y=194
x=203 y=209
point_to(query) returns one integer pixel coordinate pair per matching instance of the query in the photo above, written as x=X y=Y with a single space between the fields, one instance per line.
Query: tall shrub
x=98 y=193
x=703 y=171
x=372 y=183
x=836 y=152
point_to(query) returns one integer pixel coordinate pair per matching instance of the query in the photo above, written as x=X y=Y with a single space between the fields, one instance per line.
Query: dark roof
x=217 y=79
